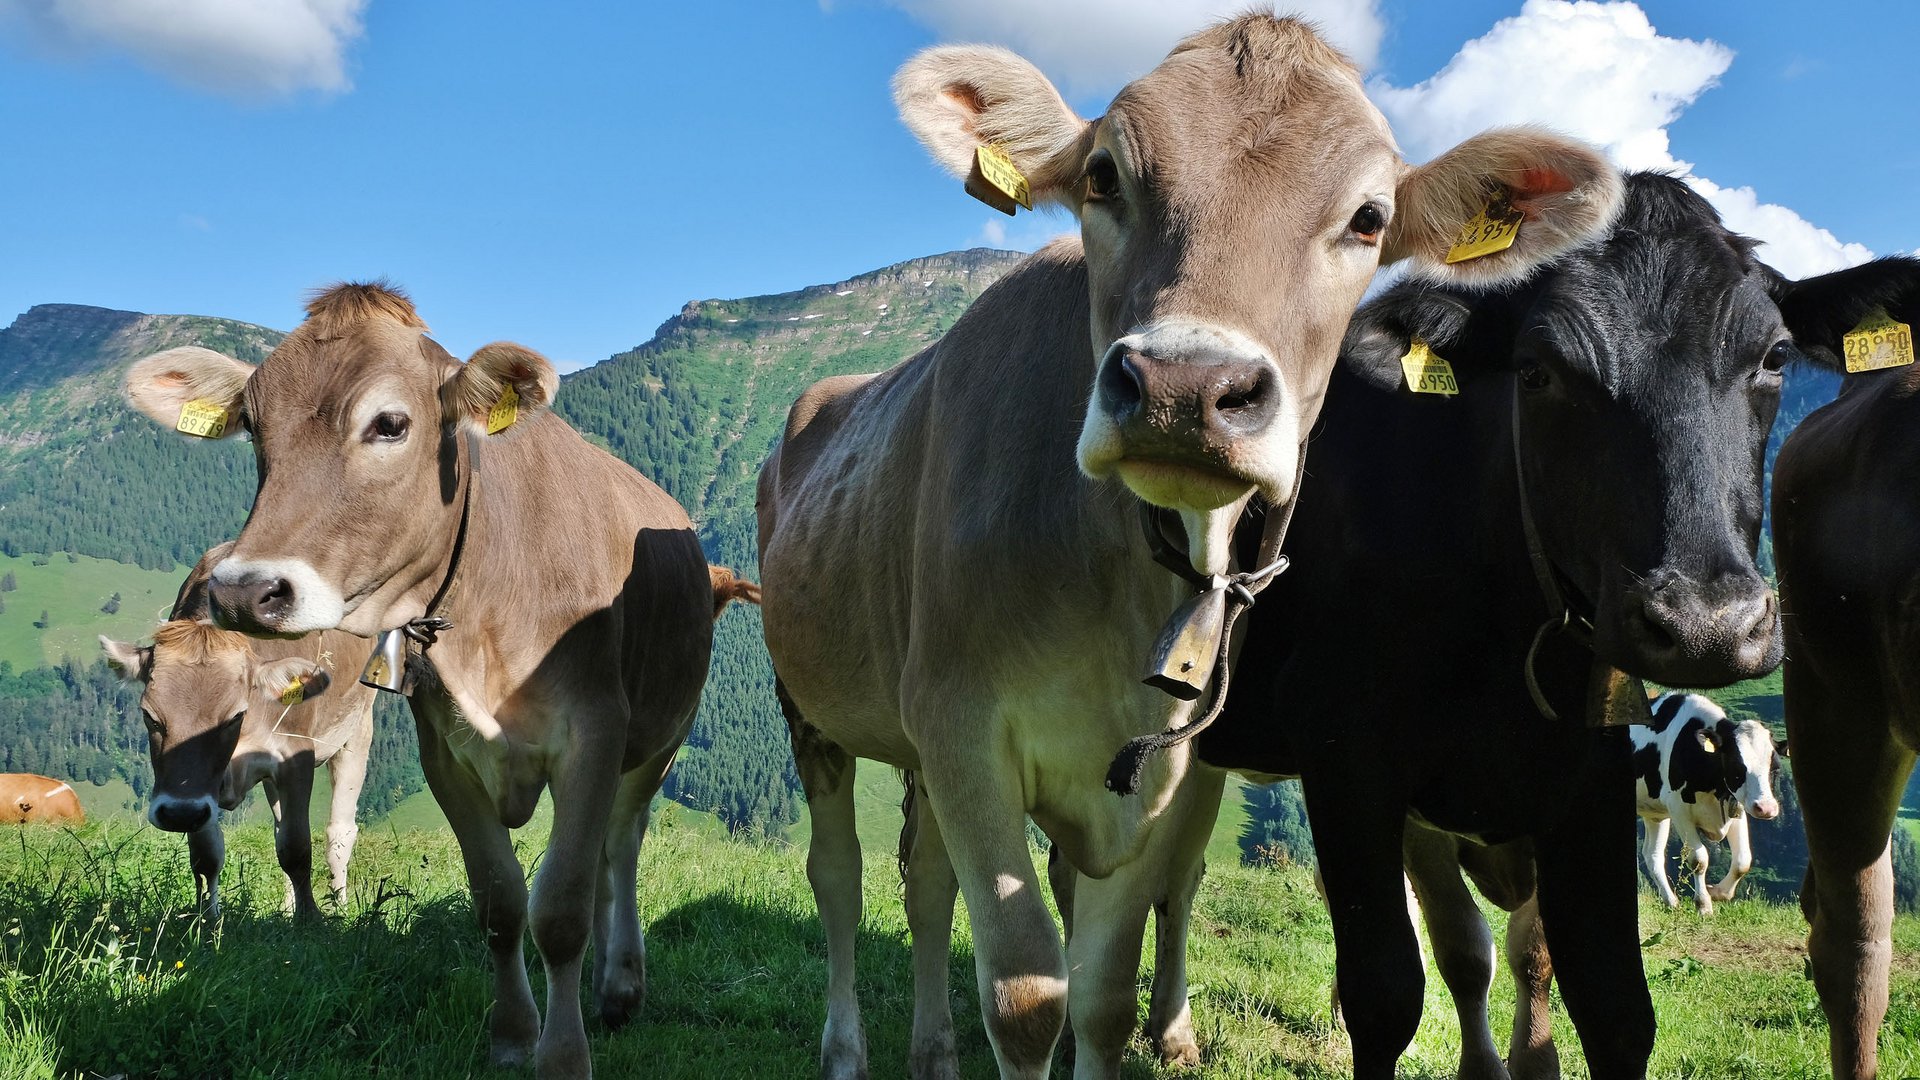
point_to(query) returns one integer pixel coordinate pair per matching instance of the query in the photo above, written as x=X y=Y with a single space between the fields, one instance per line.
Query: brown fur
x=29 y=798
x=727 y=588
x=338 y=309
x=196 y=643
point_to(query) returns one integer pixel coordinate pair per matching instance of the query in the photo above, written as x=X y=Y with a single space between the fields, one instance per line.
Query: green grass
x=103 y=969
x=72 y=592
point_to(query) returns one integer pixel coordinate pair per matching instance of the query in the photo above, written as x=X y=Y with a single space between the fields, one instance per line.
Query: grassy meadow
x=72 y=590
x=105 y=970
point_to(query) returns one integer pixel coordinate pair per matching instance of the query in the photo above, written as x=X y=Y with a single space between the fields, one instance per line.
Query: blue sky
x=569 y=175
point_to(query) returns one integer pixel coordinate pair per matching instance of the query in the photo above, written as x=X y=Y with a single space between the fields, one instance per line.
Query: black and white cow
x=1703 y=774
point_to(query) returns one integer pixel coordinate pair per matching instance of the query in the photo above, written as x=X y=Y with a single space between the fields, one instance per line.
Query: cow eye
x=234 y=720
x=1367 y=223
x=388 y=427
x=152 y=724
x=1533 y=376
x=1103 y=177
x=1779 y=356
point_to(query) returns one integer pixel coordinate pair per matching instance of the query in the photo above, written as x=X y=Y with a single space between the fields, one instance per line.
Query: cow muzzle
x=1765 y=809
x=1688 y=633
x=1189 y=417
x=272 y=597
x=179 y=815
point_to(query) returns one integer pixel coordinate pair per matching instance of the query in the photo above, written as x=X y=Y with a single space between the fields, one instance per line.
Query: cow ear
x=133 y=663
x=959 y=98
x=291 y=681
x=1454 y=324
x=1780 y=747
x=190 y=389
x=499 y=386
x=1565 y=192
x=1821 y=311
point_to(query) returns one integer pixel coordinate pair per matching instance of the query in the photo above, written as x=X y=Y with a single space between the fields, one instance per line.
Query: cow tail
x=909 y=820
x=728 y=588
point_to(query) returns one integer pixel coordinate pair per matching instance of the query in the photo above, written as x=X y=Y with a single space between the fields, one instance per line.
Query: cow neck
x=1239 y=591
x=404 y=649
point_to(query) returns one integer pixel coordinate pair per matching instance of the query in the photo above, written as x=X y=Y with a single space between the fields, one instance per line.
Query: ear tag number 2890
x=1427 y=373
x=1878 y=342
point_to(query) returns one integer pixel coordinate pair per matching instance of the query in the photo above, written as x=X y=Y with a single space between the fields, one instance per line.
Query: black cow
x=1846 y=520
x=1391 y=670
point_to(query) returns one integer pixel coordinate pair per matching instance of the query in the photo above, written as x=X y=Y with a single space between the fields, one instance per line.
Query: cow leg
x=1740 y=848
x=1462 y=945
x=584 y=786
x=206 y=854
x=499 y=891
x=1358 y=835
x=1019 y=965
x=1531 y=1055
x=1062 y=881
x=1653 y=859
x=833 y=869
x=1693 y=852
x=290 y=794
x=1849 y=774
x=931 y=888
x=1170 y=1013
x=619 y=945
x=348 y=769
x=1589 y=909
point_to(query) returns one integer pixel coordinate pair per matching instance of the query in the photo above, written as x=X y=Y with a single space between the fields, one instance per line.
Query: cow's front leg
x=584 y=784
x=1357 y=834
x=1590 y=913
x=833 y=869
x=499 y=891
x=619 y=946
x=1169 y=1012
x=931 y=888
x=290 y=794
x=348 y=769
x=1462 y=945
x=1693 y=849
x=1532 y=1054
x=1653 y=859
x=1018 y=962
x=1740 y=863
x=206 y=854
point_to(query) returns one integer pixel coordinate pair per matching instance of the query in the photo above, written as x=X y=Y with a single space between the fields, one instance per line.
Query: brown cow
x=219 y=720
x=946 y=592
x=572 y=607
x=1846 y=534
x=29 y=797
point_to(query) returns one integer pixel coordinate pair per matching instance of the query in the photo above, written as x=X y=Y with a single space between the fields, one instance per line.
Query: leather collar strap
x=1561 y=616
x=424 y=632
x=1123 y=774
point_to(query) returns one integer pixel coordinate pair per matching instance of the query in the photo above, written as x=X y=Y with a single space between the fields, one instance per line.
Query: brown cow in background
x=29 y=797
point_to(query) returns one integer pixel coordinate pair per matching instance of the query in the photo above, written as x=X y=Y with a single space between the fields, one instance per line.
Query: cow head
x=198 y=683
x=360 y=426
x=1646 y=370
x=1233 y=205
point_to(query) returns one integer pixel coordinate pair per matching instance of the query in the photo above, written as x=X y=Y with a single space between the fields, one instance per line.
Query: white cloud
x=244 y=48
x=1602 y=72
x=1091 y=46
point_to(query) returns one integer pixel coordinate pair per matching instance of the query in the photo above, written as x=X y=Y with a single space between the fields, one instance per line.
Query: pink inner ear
x=1538 y=183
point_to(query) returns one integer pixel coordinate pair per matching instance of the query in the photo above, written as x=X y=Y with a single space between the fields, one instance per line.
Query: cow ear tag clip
x=1182 y=659
x=997 y=181
x=1878 y=342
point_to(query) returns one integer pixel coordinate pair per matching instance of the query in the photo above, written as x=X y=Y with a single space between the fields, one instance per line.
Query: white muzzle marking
x=317 y=604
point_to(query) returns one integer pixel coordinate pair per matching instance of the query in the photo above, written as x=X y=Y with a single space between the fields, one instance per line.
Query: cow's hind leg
x=499 y=891
x=1169 y=1012
x=1740 y=863
x=619 y=945
x=348 y=769
x=1849 y=774
x=1653 y=858
x=1532 y=1054
x=833 y=869
x=931 y=888
x=1590 y=912
x=1462 y=945
x=206 y=854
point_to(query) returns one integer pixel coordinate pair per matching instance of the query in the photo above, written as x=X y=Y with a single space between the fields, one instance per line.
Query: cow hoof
x=1540 y=1064
x=513 y=1033
x=843 y=1058
x=1182 y=1053
x=934 y=1060
x=621 y=999
x=1482 y=1068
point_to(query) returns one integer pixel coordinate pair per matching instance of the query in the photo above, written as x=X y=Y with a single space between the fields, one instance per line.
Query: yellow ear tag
x=1493 y=229
x=1427 y=373
x=294 y=694
x=997 y=181
x=1709 y=746
x=203 y=418
x=504 y=412
x=1878 y=342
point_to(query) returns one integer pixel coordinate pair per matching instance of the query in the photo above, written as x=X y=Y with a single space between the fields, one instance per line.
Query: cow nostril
x=1120 y=384
x=273 y=595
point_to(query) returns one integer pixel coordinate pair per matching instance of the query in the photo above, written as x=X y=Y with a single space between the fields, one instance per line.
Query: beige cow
x=31 y=798
x=956 y=580
x=220 y=719
x=571 y=603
